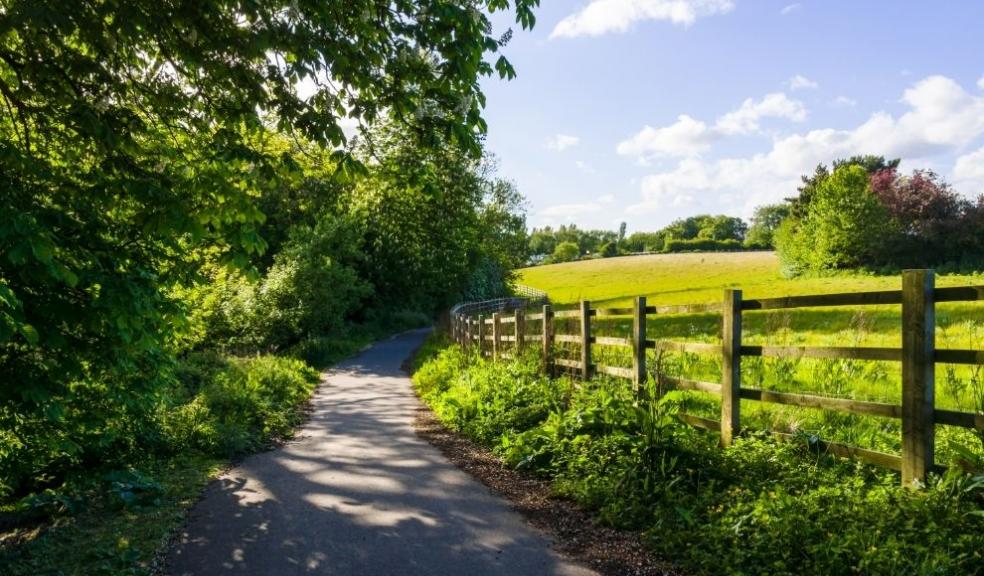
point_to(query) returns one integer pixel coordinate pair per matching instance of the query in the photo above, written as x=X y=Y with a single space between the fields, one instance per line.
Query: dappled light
x=357 y=492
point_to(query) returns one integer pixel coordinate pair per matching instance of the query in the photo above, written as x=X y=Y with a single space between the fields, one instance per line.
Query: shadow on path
x=358 y=493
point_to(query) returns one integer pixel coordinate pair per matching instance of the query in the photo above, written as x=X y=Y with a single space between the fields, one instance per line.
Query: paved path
x=358 y=493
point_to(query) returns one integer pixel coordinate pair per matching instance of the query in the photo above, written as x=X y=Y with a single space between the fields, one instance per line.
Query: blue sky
x=645 y=111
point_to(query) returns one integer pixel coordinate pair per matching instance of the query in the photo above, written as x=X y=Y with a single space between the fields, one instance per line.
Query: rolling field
x=694 y=278
x=702 y=277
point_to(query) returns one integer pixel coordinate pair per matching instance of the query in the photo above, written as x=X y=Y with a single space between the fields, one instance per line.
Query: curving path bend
x=358 y=493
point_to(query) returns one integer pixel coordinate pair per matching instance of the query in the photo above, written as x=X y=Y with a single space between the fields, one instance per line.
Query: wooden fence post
x=585 y=339
x=547 y=337
x=918 y=374
x=639 y=344
x=520 y=321
x=481 y=335
x=496 y=336
x=730 y=366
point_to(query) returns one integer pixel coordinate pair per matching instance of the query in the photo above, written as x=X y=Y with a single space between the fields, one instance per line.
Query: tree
x=707 y=227
x=565 y=252
x=542 y=241
x=621 y=234
x=137 y=139
x=799 y=205
x=845 y=227
x=645 y=241
x=608 y=249
x=765 y=222
x=502 y=224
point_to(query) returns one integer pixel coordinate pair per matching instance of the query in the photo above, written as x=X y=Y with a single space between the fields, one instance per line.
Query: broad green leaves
x=140 y=139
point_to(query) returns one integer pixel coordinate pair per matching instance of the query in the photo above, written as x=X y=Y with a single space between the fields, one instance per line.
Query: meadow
x=702 y=277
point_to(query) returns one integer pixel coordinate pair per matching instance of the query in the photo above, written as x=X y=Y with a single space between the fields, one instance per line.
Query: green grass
x=106 y=536
x=701 y=278
x=695 y=278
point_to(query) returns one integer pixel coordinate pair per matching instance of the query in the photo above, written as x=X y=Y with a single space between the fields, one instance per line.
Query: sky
x=646 y=111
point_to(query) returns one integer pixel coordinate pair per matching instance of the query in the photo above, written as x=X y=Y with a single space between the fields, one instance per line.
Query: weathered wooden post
x=519 y=319
x=547 y=339
x=730 y=366
x=481 y=335
x=496 y=336
x=918 y=375
x=639 y=344
x=585 y=339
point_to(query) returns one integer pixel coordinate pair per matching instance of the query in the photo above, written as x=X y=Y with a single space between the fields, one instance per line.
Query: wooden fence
x=918 y=356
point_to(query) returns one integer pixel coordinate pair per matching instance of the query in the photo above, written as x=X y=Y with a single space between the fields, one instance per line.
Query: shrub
x=701 y=245
x=757 y=507
x=227 y=406
x=565 y=252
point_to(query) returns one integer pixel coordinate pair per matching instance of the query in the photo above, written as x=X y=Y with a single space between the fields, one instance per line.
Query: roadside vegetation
x=758 y=507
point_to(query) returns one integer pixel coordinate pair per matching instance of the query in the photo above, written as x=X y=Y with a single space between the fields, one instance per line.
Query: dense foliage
x=757 y=507
x=865 y=214
x=178 y=180
x=764 y=224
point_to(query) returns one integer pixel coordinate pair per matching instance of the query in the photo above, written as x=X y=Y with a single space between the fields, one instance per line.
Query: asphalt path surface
x=358 y=493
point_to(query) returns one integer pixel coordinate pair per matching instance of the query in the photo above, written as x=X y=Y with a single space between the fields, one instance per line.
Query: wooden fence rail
x=918 y=357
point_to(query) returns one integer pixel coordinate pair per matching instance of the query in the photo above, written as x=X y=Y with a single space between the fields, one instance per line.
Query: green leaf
x=29 y=334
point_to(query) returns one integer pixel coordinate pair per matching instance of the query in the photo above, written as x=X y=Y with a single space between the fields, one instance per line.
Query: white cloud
x=844 y=102
x=688 y=137
x=561 y=142
x=606 y=198
x=685 y=137
x=980 y=82
x=568 y=212
x=604 y=16
x=745 y=120
x=968 y=173
x=800 y=82
x=941 y=117
x=790 y=8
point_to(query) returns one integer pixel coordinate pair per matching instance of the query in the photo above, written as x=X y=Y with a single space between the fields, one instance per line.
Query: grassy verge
x=117 y=517
x=106 y=535
x=758 y=507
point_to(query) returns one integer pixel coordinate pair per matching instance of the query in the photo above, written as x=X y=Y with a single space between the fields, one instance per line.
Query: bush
x=228 y=406
x=759 y=506
x=566 y=252
x=701 y=245
x=310 y=290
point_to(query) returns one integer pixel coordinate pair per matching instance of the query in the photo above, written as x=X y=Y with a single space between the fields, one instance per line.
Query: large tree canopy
x=137 y=138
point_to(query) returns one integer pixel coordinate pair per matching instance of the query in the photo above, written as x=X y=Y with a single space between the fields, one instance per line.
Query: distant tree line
x=860 y=213
x=695 y=233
